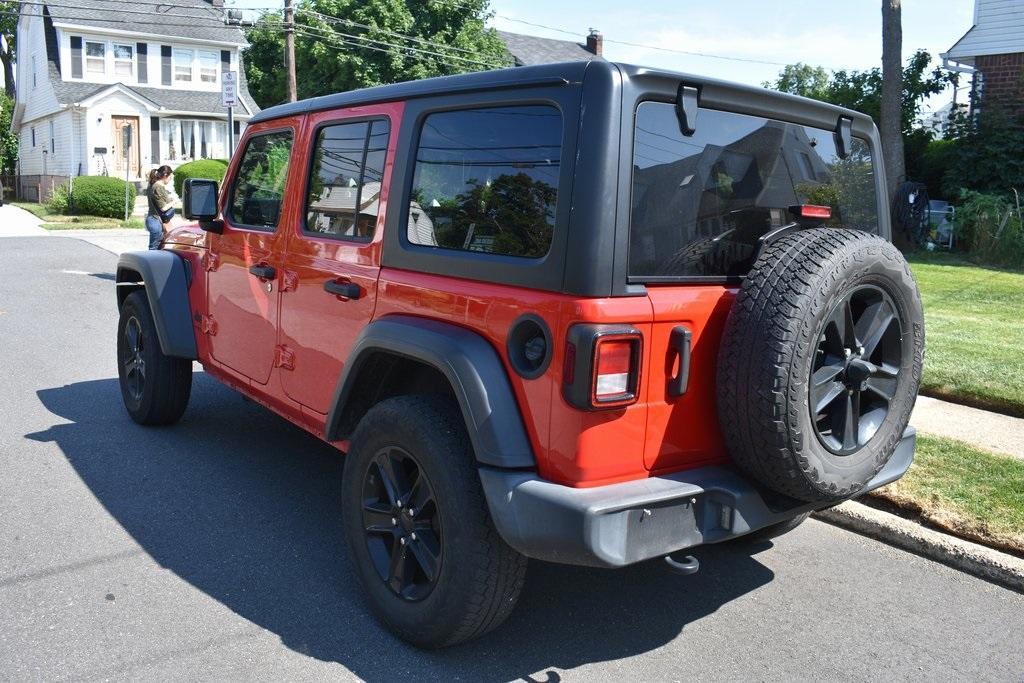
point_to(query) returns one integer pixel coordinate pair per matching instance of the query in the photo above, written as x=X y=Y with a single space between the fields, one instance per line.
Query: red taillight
x=811 y=211
x=616 y=370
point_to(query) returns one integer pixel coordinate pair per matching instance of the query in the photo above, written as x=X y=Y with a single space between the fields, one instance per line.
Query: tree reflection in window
x=259 y=185
x=486 y=180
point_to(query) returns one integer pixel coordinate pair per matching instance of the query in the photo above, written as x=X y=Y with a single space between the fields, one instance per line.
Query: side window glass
x=486 y=180
x=345 y=180
x=258 y=191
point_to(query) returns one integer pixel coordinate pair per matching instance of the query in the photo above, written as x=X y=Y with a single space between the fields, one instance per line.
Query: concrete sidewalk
x=17 y=222
x=991 y=431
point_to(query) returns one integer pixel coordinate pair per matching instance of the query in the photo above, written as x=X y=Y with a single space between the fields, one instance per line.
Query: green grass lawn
x=974 y=332
x=57 y=221
x=973 y=493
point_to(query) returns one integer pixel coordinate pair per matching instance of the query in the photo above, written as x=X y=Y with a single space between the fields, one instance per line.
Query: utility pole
x=289 y=48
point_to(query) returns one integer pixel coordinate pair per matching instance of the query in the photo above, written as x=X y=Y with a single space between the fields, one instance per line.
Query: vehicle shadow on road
x=245 y=507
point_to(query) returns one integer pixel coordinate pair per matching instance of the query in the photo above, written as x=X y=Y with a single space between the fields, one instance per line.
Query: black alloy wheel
x=402 y=524
x=856 y=369
x=132 y=359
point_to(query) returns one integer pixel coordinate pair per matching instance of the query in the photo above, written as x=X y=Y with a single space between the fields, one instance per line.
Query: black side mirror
x=199 y=203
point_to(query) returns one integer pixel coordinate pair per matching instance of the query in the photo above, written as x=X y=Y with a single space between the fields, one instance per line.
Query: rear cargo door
x=682 y=418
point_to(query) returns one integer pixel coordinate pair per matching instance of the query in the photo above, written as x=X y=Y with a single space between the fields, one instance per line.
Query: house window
x=33 y=72
x=183 y=66
x=33 y=136
x=95 y=57
x=209 y=62
x=123 y=60
x=53 y=145
x=187 y=139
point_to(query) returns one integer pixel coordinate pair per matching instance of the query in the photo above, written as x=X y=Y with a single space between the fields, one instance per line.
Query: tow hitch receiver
x=689 y=565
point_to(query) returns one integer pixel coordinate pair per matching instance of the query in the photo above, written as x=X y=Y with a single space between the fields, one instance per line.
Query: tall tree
x=9 y=30
x=890 y=115
x=347 y=44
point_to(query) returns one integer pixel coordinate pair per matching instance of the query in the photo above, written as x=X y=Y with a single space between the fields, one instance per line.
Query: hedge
x=95 y=195
x=213 y=169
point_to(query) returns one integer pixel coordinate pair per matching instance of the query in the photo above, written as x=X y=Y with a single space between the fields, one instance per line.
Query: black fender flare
x=473 y=369
x=165 y=277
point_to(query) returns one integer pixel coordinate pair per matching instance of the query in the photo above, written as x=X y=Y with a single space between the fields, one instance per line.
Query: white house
x=992 y=51
x=88 y=70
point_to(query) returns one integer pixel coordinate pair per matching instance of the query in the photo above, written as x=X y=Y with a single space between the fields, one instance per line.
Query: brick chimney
x=595 y=42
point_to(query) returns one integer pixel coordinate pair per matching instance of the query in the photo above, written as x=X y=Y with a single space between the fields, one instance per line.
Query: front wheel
x=432 y=565
x=155 y=387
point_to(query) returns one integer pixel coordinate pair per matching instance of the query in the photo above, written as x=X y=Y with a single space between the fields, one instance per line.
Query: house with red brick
x=993 y=52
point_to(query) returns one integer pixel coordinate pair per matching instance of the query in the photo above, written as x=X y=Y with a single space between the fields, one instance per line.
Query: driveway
x=213 y=550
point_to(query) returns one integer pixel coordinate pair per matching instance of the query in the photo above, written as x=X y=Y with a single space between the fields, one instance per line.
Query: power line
x=352 y=41
x=349 y=22
x=577 y=34
x=332 y=31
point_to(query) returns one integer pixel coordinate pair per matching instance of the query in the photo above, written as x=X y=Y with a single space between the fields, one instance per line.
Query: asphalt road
x=213 y=549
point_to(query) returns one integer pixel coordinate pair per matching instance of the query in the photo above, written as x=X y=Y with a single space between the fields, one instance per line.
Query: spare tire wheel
x=820 y=363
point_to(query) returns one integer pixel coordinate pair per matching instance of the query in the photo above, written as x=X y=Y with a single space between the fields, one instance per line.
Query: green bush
x=58 y=201
x=989 y=227
x=938 y=158
x=214 y=169
x=101 y=196
x=989 y=153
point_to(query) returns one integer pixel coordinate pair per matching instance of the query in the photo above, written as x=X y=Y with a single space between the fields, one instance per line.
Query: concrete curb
x=972 y=558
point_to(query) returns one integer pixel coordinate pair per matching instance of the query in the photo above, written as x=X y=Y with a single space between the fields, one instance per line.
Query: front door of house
x=125 y=160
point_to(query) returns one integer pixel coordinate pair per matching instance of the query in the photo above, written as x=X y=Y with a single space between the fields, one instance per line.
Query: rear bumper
x=619 y=524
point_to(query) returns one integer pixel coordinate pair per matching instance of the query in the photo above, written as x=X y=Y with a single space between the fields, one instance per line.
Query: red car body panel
x=287 y=347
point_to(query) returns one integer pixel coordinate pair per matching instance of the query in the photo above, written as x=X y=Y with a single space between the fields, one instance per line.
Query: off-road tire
x=480 y=576
x=769 y=345
x=167 y=382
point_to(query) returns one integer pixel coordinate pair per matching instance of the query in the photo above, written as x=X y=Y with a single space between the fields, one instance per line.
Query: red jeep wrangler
x=586 y=313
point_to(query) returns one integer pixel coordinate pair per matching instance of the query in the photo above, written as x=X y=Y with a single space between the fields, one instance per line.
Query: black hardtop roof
x=544 y=74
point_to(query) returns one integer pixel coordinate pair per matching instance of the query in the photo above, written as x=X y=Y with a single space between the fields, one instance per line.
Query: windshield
x=700 y=203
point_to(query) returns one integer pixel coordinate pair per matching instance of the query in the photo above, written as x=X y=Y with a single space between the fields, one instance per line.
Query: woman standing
x=161 y=205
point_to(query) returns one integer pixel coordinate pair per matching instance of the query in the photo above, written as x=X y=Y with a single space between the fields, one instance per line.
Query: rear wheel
x=155 y=387
x=432 y=565
x=820 y=363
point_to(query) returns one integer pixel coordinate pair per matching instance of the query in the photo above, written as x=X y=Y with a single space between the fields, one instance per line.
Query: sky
x=835 y=34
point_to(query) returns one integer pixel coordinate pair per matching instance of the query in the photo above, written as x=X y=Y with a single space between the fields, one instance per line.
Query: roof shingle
x=531 y=50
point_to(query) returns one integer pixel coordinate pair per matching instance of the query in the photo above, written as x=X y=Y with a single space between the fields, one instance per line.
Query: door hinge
x=289 y=281
x=208 y=325
x=284 y=357
x=212 y=261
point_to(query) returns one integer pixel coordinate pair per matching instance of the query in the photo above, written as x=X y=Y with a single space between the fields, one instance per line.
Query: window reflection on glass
x=344 y=187
x=123 y=60
x=209 y=62
x=486 y=180
x=95 y=57
x=258 y=189
x=183 y=65
x=700 y=203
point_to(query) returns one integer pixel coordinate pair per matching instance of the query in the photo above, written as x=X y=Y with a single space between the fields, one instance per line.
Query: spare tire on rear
x=820 y=363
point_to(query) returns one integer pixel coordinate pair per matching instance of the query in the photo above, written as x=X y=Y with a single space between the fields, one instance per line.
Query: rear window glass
x=486 y=180
x=700 y=203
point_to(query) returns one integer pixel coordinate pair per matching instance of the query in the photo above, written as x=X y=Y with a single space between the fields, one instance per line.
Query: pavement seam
x=971 y=558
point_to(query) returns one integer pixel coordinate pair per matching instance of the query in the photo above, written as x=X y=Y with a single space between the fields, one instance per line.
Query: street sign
x=126 y=139
x=229 y=88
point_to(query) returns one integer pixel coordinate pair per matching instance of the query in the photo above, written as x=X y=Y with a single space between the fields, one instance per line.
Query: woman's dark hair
x=159 y=173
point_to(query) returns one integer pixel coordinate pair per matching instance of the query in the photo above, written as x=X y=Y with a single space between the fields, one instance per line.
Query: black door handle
x=347 y=290
x=263 y=272
x=679 y=343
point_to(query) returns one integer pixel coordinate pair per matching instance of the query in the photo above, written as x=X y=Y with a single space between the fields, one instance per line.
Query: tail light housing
x=602 y=366
x=811 y=212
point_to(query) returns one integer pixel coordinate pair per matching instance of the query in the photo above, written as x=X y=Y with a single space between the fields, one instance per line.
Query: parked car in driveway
x=586 y=313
